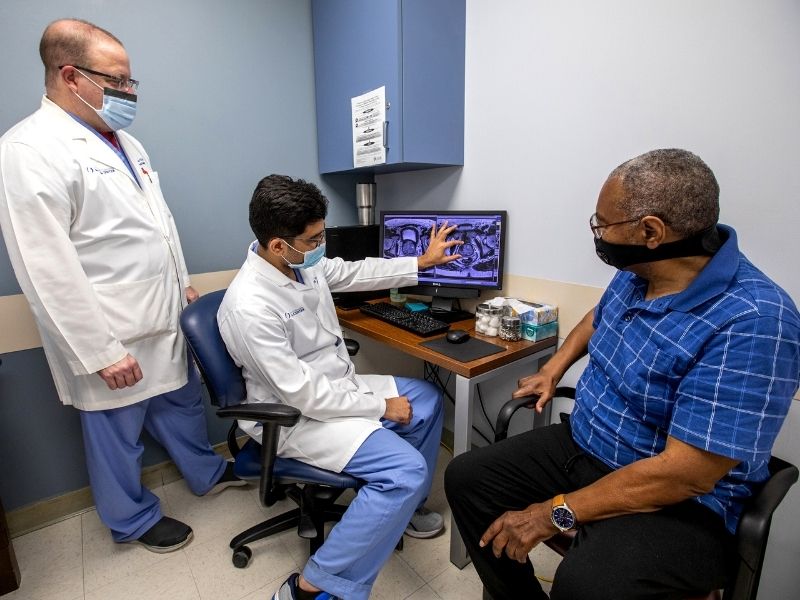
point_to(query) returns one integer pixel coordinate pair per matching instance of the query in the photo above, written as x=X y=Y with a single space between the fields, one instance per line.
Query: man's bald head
x=69 y=42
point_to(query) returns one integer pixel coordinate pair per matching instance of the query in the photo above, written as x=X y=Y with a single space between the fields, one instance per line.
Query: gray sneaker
x=425 y=523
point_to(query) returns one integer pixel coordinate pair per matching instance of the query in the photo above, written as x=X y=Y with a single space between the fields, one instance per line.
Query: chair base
x=289 y=520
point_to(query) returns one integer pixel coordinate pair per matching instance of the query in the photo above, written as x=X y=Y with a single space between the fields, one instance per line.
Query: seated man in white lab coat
x=279 y=323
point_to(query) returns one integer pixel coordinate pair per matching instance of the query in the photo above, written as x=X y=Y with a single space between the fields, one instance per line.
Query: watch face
x=563 y=518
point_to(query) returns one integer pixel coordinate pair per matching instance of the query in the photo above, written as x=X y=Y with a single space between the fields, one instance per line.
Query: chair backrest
x=752 y=533
x=222 y=376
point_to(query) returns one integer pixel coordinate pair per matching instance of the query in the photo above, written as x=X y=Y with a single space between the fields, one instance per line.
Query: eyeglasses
x=313 y=242
x=597 y=228
x=120 y=84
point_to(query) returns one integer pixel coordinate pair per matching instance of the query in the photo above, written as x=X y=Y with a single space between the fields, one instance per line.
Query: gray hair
x=68 y=42
x=672 y=184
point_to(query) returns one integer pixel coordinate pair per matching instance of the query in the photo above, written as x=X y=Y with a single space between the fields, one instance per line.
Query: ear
x=69 y=75
x=654 y=231
x=277 y=246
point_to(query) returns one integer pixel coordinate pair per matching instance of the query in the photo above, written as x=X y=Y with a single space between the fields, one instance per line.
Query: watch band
x=561 y=514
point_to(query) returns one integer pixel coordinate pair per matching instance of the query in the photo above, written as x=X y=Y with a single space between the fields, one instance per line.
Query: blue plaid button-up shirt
x=715 y=366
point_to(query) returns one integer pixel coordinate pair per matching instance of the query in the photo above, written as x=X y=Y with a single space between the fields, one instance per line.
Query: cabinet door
x=357 y=48
x=433 y=81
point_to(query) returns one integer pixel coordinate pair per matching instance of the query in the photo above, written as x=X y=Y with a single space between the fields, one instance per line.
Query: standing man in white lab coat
x=97 y=255
x=279 y=323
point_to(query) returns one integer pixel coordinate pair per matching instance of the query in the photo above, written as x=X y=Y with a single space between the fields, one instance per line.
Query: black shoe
x=228 y=479
x=165 y=536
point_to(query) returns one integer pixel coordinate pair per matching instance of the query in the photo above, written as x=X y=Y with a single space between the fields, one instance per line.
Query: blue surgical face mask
x=119 y=108
x=310 y=258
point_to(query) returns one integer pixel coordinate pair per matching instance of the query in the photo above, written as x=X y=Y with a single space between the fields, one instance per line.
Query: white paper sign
x=369 y=114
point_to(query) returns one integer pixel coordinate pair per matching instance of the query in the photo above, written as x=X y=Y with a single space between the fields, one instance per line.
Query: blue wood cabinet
x=415 y=48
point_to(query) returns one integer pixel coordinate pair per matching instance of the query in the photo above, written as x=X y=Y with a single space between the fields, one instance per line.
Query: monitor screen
x=407 y=233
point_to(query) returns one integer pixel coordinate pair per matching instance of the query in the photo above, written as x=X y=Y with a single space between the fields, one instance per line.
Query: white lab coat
x=287 y=339
x=96 y=255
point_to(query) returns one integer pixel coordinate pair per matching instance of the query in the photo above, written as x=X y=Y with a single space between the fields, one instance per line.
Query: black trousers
x=676 y=552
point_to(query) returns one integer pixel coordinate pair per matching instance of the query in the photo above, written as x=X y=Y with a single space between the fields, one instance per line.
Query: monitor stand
x=442 y=309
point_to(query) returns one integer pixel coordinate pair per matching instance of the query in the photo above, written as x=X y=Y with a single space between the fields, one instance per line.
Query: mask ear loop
x=288 y=263
x=93 y=83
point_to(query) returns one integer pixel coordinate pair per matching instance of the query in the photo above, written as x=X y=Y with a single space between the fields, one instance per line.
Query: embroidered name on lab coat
x=294 y=313
x=101 y=171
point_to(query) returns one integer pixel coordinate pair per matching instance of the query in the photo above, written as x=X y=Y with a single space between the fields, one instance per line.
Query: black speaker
x=353 y=242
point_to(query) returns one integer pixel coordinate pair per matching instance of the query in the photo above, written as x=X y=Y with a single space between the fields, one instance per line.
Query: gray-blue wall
x=227 y=97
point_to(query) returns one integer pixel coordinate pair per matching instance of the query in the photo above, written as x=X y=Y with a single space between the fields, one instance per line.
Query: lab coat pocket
x=136 y=310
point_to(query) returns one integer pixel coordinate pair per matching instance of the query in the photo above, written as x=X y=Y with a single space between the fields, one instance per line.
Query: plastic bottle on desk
x=396 y=298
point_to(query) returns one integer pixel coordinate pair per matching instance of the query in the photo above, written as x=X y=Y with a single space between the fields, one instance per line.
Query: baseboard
x=53 y=510
x=41 y=514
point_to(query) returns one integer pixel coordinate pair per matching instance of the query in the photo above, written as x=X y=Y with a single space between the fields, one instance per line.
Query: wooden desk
x=468 y=376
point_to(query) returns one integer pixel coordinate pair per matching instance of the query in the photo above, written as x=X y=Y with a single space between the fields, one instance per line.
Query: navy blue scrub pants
x=114 y=449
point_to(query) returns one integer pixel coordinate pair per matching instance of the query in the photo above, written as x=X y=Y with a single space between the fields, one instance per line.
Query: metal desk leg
x=462 y=431
x=462 y=434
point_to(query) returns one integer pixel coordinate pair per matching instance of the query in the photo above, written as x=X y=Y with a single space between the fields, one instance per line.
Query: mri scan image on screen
x=408 y=236
x=480 y=265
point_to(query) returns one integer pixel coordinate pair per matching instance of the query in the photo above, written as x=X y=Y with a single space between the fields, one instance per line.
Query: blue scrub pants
x=397 y=463
x=113 y=447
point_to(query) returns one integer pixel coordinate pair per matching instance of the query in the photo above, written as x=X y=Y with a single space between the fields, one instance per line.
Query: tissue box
x=540 y=315
x=534 y=333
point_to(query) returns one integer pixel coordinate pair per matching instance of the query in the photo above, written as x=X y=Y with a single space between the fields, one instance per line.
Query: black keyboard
x=421 y=324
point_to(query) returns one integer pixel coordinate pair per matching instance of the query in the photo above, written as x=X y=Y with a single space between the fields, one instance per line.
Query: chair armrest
x=352 y=346
x=280 y=414
x=507 y=411
x=513 y=405
x=271 y=416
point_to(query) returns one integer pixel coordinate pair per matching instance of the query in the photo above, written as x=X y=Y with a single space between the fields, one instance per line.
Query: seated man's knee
x=588 y=578
x=459 y=475
x=420 y=472
x=426 y=397
x=413 y=473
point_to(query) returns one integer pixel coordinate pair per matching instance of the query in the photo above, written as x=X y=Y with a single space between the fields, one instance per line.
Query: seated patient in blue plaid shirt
x=693 y=362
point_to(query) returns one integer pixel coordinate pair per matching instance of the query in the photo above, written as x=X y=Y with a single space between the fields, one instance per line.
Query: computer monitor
x=407 y=233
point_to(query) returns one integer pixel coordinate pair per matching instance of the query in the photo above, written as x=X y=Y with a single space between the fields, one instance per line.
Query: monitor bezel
x=503 y=214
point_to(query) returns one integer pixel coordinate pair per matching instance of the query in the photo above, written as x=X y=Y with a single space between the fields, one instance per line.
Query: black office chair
x=752 y=533
x=314 y=490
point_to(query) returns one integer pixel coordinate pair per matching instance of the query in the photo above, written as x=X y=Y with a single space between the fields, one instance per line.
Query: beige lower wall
x=19 y=330
x=573 y=300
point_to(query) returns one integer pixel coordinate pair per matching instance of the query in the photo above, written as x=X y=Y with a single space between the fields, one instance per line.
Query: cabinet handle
x=386 y=134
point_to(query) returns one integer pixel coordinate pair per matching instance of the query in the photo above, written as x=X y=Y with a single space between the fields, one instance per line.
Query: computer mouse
x=457 y=336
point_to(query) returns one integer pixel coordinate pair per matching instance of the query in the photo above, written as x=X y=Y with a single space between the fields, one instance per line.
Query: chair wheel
x=242 y=556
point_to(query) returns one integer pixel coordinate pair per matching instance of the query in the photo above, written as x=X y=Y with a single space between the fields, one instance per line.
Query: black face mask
x=704 y=243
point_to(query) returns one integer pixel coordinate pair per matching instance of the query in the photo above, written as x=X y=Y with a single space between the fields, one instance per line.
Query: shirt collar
x=715 y=277
x=265 y=269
